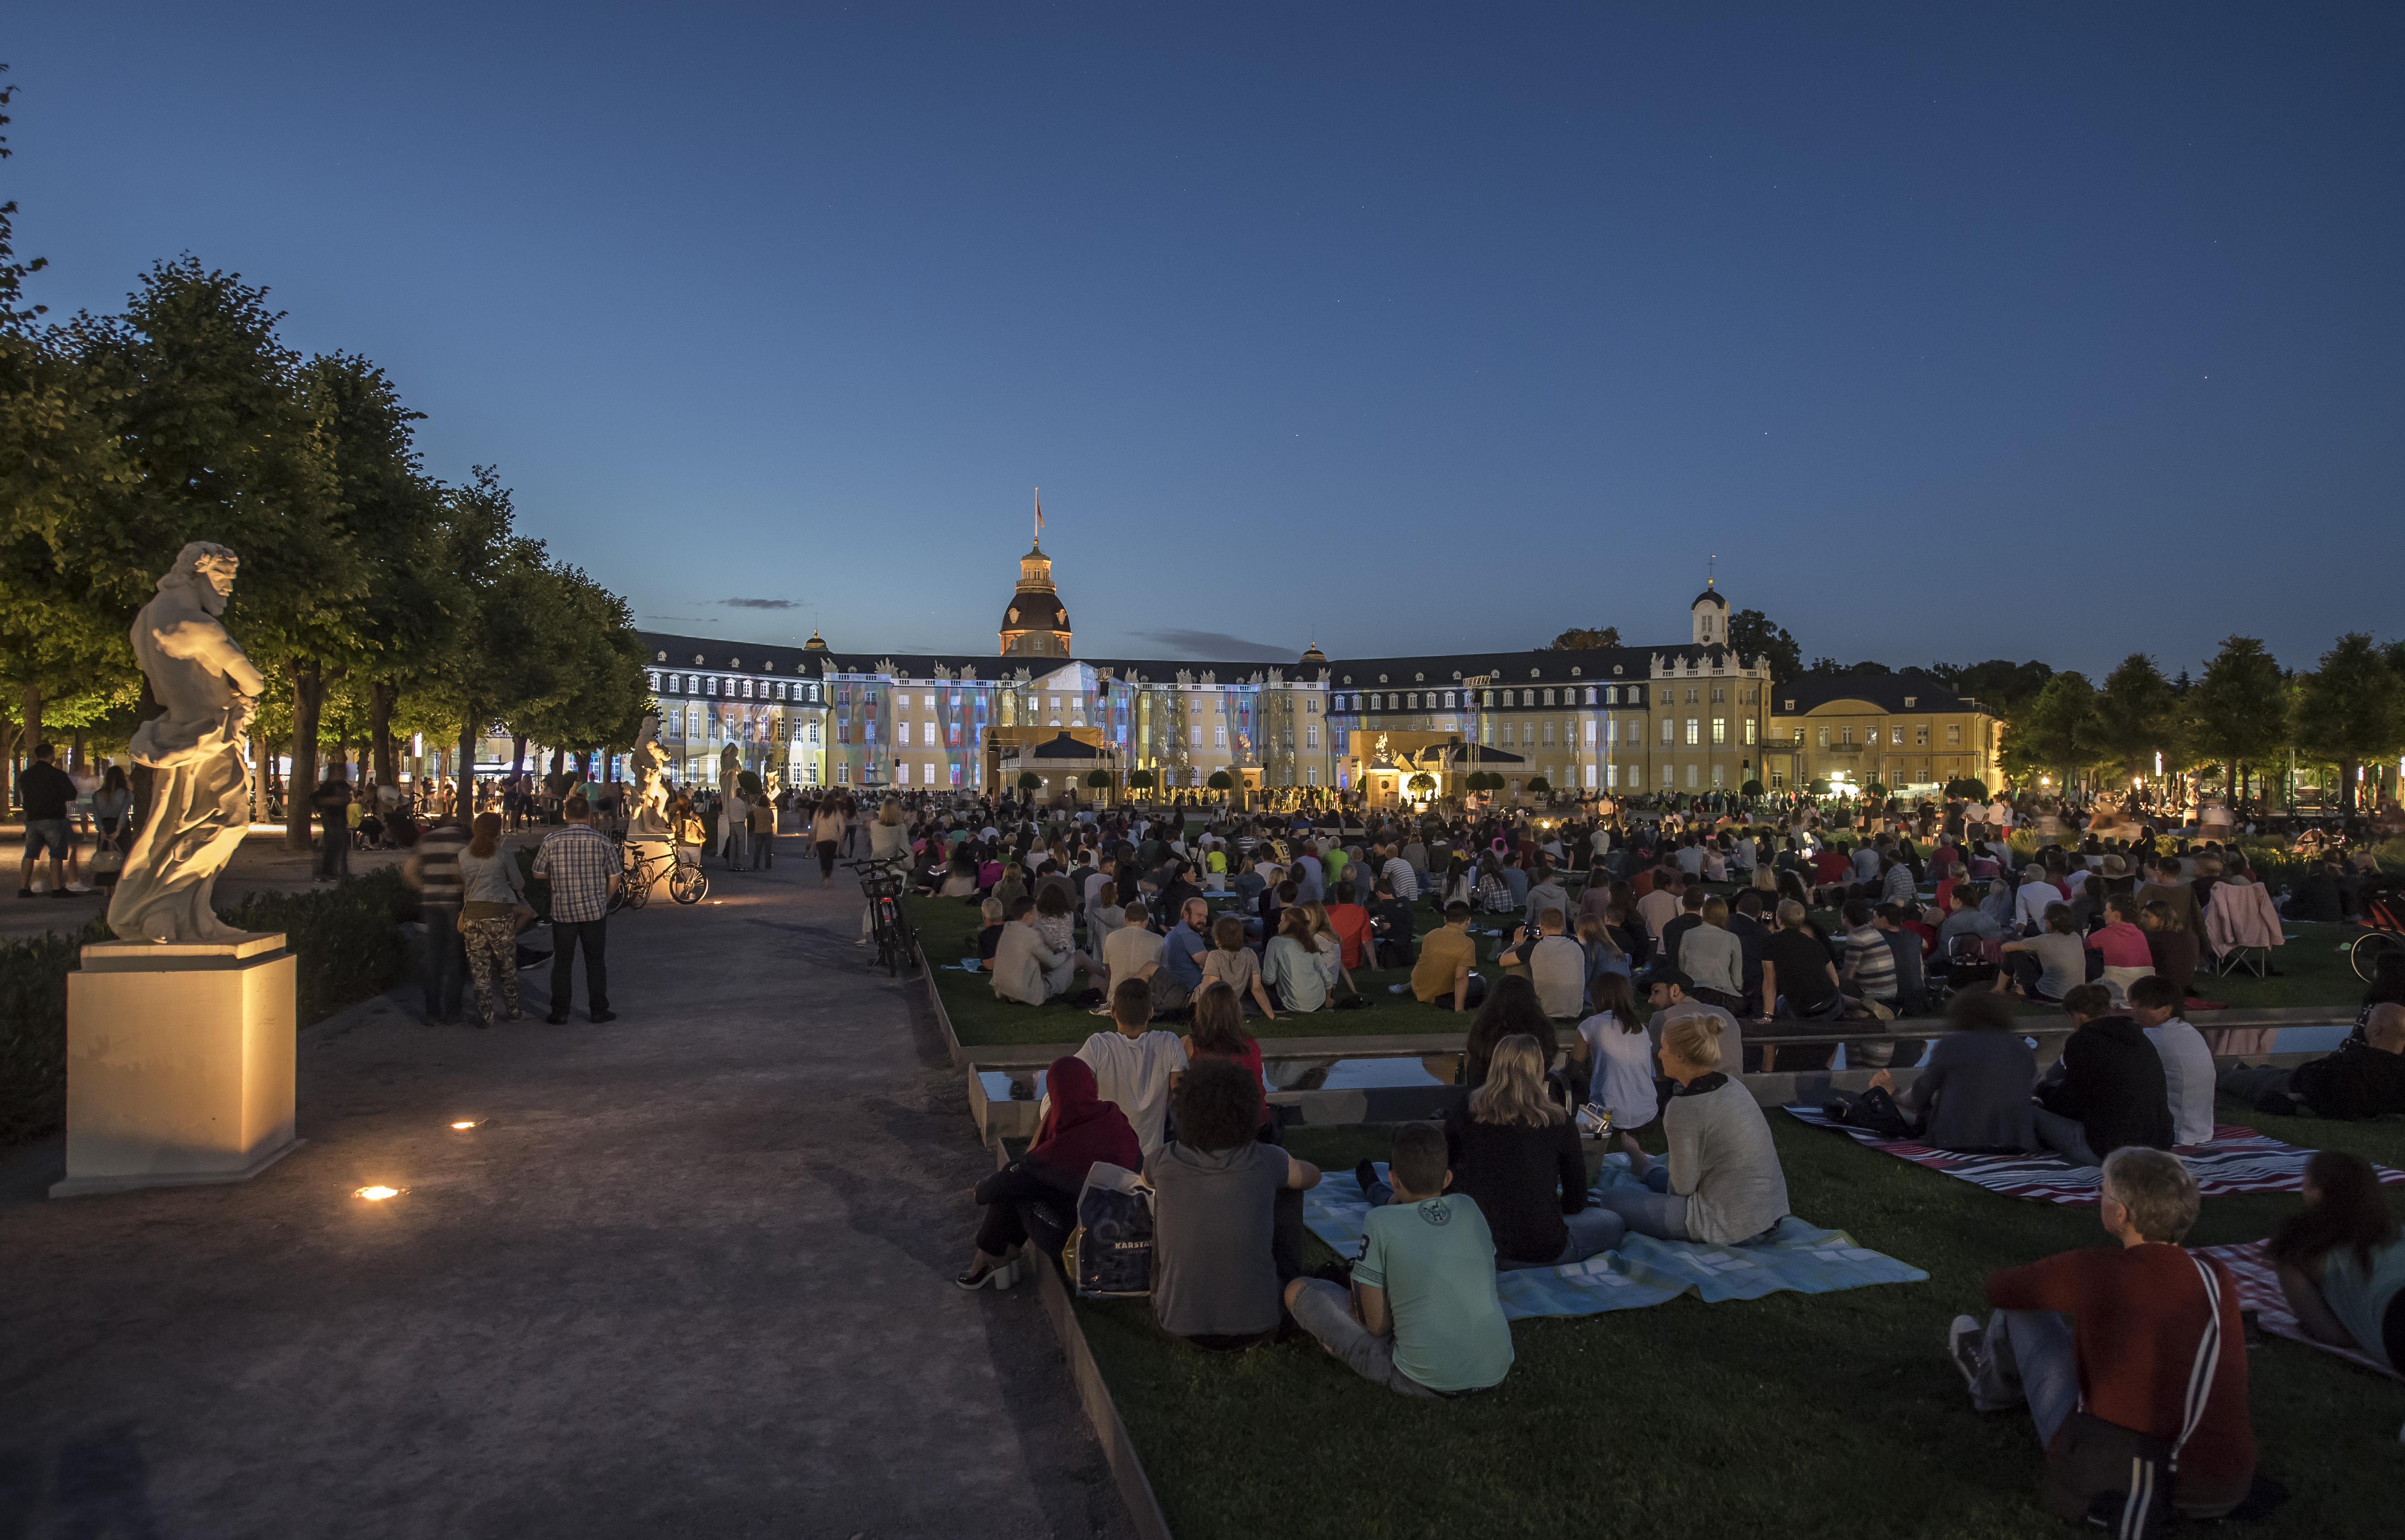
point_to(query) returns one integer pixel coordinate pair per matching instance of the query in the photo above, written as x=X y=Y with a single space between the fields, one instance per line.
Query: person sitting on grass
x=1391 y=925
x=2187 y=1063
x=1447 y=973
x=1034 y=1198
x=1219 y=1034
x=990 y=938
x=1974 y=1093
x=1619 y=1054
x=2172 y=945
x=2364 y=1078
x=1351 y=923
x=1330 y=955
x=2045 y=966
x=1556 y=965
x=1722 y=1183
x=2341 y=1262
x=1512 y=1007
x=1232 y=963
x=1291 y=973
x=2117 y=1334
x=1135 y=1068
x=2107 y=1090
x=1422 y=1317
x=1056 y=921
x=1025 y=969
x=1516 y=1149
x=1219 y=1267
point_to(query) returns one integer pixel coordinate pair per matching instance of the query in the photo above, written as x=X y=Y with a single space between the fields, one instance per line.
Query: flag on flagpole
x=1039 y=515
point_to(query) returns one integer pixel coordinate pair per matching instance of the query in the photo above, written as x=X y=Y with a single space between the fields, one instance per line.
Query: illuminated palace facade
x=1688 y=716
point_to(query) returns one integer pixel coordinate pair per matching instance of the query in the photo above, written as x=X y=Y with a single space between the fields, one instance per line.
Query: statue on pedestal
x=200 y=798
x=649 y=819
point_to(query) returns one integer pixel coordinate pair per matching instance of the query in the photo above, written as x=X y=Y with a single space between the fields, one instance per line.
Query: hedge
x=346 y=940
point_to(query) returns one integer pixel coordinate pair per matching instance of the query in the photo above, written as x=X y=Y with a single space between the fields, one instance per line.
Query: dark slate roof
x=1714 y=594
x=720 y=655
x=1884 y=691
x=1543 y=666
x=1038 y=609
x=1064 y=747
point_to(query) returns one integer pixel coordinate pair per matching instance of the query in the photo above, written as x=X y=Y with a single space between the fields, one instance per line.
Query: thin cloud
x=762 y=604
x=1220 y=647
x=684 y=619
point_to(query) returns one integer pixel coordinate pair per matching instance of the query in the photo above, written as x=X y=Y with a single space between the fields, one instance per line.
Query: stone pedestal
x=651 y=848
x=180 y=1064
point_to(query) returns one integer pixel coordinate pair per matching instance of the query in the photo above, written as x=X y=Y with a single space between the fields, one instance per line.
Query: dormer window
x=1911 y=701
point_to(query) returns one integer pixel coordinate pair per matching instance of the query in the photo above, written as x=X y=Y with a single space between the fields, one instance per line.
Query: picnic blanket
x=2258 y=1289
x=2235 y=1160
x=1646 y=1271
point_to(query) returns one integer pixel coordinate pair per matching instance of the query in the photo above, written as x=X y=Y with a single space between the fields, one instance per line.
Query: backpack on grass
x=1109 y=1254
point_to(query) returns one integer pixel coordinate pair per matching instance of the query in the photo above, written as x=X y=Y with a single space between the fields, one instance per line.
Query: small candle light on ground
x=378 y=1194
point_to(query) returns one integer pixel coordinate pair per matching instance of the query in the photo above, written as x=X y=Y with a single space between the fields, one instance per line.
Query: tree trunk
x=517 y=755
x=33 y=708
x=258 y=769
x=381 y=698
x=140 y=777
x=2348 y=769
x=559 y=760
x=463 y=807
x=308 y=695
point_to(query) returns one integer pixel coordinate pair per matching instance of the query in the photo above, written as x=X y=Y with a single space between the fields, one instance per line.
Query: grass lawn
x=1829 y=1415
x=2314 y=973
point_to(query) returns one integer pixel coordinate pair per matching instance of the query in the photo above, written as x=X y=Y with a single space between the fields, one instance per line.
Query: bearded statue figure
x=200 y=804
x=651 y=818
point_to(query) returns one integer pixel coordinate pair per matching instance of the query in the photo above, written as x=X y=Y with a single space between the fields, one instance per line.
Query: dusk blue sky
x=1957 y=332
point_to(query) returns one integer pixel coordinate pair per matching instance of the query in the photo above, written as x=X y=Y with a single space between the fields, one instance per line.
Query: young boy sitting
x=2120 y=1332
x=1422 y=1319
x=1219 y=1261
x=1135 y=1068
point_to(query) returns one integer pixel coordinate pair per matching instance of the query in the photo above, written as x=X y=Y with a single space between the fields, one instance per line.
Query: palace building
x=1690 y=716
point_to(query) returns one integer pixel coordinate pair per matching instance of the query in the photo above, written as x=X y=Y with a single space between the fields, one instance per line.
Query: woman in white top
x=826 y=836
x=1620 y=1051
x=1331 y=947
x=1290 y=969
x=889 y=840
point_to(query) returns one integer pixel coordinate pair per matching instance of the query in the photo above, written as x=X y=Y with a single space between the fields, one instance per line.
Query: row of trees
x=377 y=600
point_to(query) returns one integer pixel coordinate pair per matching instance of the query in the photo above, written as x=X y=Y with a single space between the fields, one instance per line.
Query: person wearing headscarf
x=1034 y=1198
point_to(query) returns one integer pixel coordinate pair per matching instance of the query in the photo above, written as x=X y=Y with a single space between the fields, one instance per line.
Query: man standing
x=584 y=870
x=48 y=792
x=433 y=870
x=332 y=801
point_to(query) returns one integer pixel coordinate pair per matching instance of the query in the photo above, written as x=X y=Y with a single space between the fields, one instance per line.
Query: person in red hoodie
x=2120 y=1335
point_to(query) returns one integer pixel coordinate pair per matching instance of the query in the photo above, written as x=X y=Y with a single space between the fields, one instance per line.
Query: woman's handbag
x=2118 y=1479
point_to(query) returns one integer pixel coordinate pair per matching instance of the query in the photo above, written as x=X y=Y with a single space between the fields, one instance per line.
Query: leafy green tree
x=1028 y=780
x=1098 y=780
x=2135 y=717
x=2238 y=713
x=1579 y=639
x=2056 y=733
x=1752 y=636
x=2351 y=708
x=1538 y=786
x=1141 y=780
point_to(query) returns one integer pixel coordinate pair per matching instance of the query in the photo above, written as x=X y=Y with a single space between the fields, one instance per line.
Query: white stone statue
x=200 y=802
x=730 y=765
x=651 y=815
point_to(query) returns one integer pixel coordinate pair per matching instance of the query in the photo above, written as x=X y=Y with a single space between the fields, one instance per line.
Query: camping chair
x=2243 y=926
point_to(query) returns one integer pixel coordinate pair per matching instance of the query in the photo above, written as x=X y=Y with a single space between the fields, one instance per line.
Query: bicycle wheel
x=688 y=884
x=889 y=944
x=2366 y=951
x=637 y=886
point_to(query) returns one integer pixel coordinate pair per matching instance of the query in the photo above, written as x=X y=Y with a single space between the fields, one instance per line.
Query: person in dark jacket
x=2363 y=1079
x=1974 y=1093
x=1514 y=1150
x=1034 y=1198
x=2109 y=1089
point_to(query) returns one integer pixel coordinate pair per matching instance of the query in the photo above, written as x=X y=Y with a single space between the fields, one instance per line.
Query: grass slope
x=1831 y=1415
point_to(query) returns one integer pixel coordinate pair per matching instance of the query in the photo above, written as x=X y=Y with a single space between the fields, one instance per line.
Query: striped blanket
x=2258 y=1289
x=2236 y=1160
x=1642 y=1270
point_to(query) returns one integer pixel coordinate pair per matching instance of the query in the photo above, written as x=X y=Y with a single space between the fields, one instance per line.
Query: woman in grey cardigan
x=1722 y=1183
x=1974 y=1093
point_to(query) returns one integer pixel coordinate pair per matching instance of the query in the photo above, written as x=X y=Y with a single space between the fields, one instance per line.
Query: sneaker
x=1965 y=1344
x=1365 y=1173
x=78 y=887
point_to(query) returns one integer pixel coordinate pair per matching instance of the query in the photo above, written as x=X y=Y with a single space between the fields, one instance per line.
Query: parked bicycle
x=687 y=882
x=883 y=882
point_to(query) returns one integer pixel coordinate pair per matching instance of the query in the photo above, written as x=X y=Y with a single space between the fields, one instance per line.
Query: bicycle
x=2383 y=932
x=883 y=882
x=687 y=882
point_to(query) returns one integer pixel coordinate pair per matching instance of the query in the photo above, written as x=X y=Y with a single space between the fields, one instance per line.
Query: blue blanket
x=1646 y=1271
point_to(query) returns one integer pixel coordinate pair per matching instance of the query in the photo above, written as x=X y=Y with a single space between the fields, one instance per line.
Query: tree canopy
x=1578 y=640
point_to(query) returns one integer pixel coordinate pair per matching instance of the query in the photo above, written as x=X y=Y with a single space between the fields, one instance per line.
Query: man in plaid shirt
x=585 y=869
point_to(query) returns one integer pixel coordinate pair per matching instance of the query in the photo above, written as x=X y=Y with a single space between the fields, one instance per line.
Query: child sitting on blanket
x=1722 y=1183
x=1422 y=1318
x=2119 y=1336
x=2341 y=1262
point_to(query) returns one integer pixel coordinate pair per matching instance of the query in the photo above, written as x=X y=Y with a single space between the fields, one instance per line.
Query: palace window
x=1824 y=737
x=1953 y=734
x=1311 y=737
x=1749 y=732
x=1695 y=731
x=1720 y=731
x=1921 y=733
x=1669 y=731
